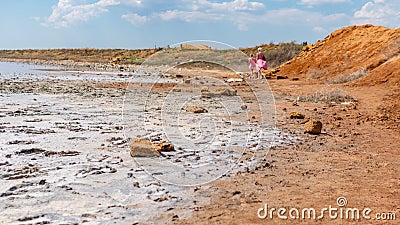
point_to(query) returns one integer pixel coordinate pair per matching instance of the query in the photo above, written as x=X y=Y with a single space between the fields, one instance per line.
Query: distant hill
x=194 y=47
x=276 y=53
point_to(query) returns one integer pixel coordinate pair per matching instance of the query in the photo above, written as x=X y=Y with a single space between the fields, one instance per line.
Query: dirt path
x=357 y=157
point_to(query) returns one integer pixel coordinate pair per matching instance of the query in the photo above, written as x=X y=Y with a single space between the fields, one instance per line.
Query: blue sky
x=134 y=24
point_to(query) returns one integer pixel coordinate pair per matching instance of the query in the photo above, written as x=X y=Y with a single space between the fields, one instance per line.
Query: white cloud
x=379 y=12
x=235 y=11
x=290 y=16
x=319 y=30
x=333 y=18
x=189 y=16
x=233 y=6
x=241 y=13
x=67 y=12
x=244 y=19
x=134 y=18
x=317 y=2
x=132 y=2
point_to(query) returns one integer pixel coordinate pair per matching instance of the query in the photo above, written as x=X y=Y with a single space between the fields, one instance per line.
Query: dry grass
x=327 y=96
x=317 y=73
x=283 y=53
x=276 y=54
x=197 y=58
x=121 y=56
x=347 y=78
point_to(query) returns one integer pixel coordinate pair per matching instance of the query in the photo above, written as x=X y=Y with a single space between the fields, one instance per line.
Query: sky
x=135 y=24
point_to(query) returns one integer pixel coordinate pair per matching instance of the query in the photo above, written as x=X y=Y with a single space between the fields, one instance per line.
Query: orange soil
x=358 y=157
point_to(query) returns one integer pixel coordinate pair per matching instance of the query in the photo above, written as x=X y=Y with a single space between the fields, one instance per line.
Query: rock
x=296 y=115
x=142 y=148
x=116 y=60
x=271 y=72
x=196 y=109
x=225 y=91
x=205 y=89
x=175 y=217
x=42 y=182
x=230 y=80
x=30 y=151
x=164 y=147
x=305 y=120
x=313 y=127
x=218 y=92
x=236 y=193
x=243 y=107
x=307 y=47
x=296 y=102
x=164 y=197
x=279 y=77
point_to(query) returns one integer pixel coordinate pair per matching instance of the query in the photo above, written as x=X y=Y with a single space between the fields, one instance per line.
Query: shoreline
x=76 y=65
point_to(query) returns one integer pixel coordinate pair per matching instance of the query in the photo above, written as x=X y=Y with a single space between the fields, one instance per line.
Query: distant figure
x=252 y=64
x=261 y=63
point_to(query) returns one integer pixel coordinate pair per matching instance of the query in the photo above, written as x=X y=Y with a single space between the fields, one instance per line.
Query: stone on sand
x=142 y=148
x=296 y=115
x=164 y=147
x=313 y=127
x=196 y=109
x=219 y=92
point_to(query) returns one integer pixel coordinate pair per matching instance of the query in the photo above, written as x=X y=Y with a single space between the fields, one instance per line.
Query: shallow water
x=65 y=161
x=29 y=72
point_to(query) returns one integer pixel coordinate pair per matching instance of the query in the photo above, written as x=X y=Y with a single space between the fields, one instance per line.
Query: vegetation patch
x=328 y=96
x=341 y=79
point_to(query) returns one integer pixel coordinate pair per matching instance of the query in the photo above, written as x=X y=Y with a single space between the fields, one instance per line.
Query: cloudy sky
x=147 y=23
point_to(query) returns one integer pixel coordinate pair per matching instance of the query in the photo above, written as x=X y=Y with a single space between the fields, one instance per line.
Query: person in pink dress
x=252 y=64
x=261 y=63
